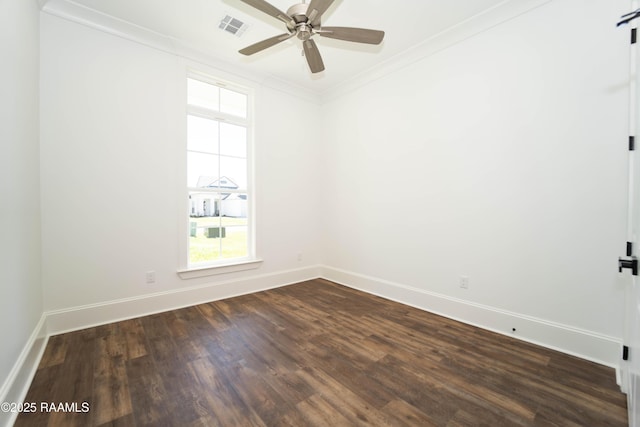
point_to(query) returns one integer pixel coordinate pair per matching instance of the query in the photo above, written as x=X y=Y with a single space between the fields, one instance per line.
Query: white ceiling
x=194 y=23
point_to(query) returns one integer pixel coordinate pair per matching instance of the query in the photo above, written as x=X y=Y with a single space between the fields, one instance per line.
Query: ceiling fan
x=303 y=21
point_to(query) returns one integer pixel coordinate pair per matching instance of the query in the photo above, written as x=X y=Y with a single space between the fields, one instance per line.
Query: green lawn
x=233 y=245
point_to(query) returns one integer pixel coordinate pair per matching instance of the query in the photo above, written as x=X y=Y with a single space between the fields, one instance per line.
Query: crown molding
x=74 y=12
x=502 y=12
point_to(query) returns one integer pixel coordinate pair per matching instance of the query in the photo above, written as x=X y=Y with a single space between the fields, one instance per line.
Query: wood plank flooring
x=313 y=354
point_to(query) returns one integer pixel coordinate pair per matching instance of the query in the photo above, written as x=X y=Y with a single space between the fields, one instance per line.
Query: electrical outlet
x=151 y=276
x=464 y=282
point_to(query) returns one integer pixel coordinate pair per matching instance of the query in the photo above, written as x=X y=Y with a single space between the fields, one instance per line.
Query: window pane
x=226 y=183
x=203 y=249
x=233 y=140
x=218 y=226
x=233 y=211
x=203 y=94
x=202 y=134
x=234 y=206
x=204 y=227
x=233 y=103
x=234 y=244
x=205 y=206
x=234 y=169
x=202 y=170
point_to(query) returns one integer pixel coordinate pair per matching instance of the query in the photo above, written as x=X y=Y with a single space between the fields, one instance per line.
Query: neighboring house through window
x=218 y=173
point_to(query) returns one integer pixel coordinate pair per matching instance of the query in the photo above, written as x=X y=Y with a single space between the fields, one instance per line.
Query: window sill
x=212 y=270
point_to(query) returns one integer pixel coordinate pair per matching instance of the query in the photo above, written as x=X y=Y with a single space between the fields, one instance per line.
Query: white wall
x=502 y=158
x=112 y=135
x=21 y=296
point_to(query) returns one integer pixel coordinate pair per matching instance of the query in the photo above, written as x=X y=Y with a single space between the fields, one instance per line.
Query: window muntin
x=217 y=174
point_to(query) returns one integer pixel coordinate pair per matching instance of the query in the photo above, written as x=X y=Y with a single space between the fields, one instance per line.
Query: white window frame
x=230 y=265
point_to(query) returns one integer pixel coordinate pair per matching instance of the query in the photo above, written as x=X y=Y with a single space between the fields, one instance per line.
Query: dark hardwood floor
x=313 y=354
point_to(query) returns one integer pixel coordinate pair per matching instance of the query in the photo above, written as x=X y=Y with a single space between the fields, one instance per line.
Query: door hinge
x=634 y=35
x=625 y=352
x=629 y=248
x=632 y=143
x=631 y=264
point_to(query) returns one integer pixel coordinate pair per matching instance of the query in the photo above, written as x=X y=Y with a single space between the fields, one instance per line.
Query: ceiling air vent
x=232 y=25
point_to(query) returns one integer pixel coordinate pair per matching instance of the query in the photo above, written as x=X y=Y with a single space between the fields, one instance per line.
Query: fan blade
x=316 y=9
x=358 y=35
x=264 y=44
x=313 y=56
x=270 y=10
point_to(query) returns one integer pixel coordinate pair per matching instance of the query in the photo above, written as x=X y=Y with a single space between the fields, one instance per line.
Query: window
x=218 y=174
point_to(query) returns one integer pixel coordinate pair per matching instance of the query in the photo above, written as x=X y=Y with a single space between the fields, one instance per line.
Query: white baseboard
x=15 y=387
x=87 y=316
x=585 y=344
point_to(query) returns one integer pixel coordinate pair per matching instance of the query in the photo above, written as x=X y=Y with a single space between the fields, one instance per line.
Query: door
x=629 y=267
x=633 y=353
x=628 y=264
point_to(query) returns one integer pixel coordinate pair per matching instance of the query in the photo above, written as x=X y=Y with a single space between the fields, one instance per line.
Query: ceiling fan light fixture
x=304 y=32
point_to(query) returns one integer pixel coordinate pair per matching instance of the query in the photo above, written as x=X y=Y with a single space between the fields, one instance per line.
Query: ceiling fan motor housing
x=303 y=28
x=298 y=12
